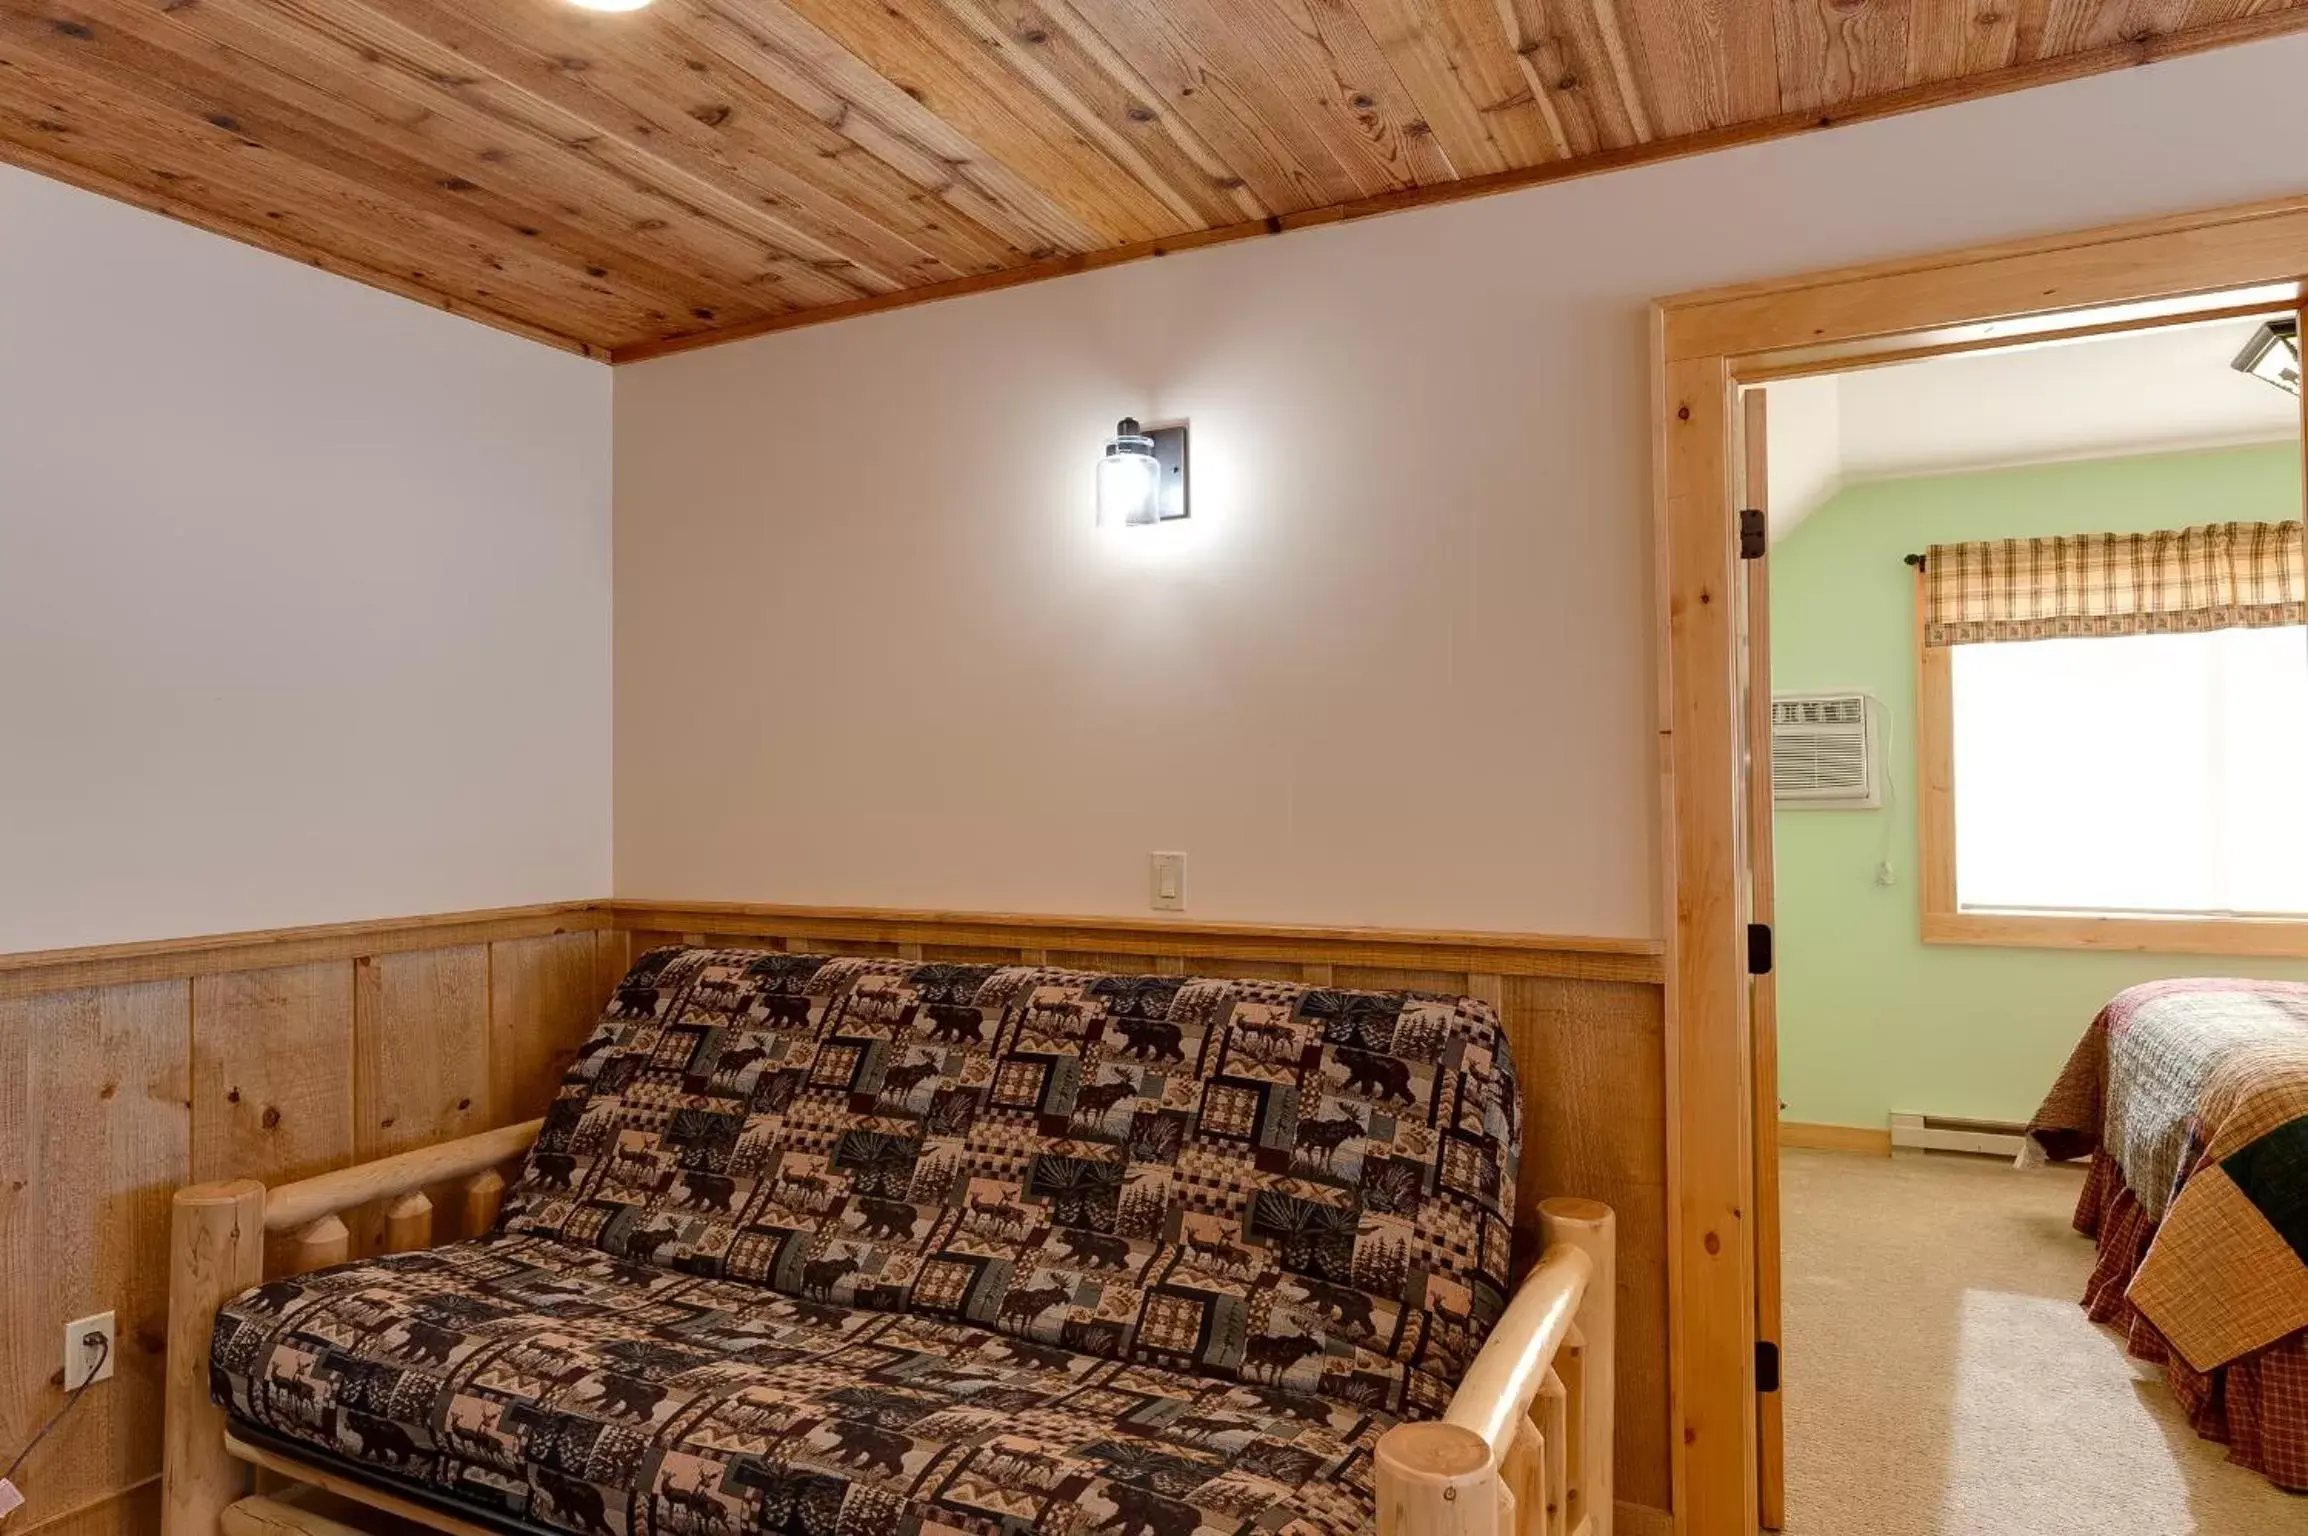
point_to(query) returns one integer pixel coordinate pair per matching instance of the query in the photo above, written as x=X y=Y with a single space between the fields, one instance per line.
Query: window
x=2137 y=773
x=2114 y=742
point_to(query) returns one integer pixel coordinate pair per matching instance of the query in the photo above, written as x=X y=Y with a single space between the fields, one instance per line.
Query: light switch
x=1169 y=881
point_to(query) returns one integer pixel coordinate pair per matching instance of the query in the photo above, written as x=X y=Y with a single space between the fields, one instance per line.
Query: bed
x=2190 y=1098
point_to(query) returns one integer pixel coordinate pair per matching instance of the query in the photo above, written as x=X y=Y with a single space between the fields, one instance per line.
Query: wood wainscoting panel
x=1593 y=1061
x=272 y=1076
x=272 y=1081
x=421 y=1065
x=131 y=1512
x=94 y=1139
x=128 y=1071
x=545 y=996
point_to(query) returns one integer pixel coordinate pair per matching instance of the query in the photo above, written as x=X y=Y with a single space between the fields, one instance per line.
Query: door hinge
x=1766 y=1366
x=1758 y=949
x=1754 y=533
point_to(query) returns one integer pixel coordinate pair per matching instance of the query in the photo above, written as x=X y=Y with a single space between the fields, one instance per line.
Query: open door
x=1755 y=691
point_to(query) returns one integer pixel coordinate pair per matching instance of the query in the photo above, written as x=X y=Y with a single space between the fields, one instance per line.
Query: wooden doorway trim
x=1703 y=346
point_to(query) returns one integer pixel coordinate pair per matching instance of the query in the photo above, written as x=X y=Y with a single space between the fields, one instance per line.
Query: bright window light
x=2145 y=773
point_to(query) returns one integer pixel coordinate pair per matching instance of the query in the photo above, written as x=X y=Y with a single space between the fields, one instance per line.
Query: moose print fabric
x=525 y=1383
x=1308 y=1189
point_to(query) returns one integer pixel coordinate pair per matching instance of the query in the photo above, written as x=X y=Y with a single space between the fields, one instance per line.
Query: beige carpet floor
x=1942 y=1381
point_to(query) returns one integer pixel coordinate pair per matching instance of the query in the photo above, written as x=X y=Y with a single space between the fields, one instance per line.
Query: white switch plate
x=1166 y=889
x=78 y=1357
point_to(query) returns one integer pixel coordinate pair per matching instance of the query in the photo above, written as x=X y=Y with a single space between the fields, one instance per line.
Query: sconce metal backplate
x=1170 y=454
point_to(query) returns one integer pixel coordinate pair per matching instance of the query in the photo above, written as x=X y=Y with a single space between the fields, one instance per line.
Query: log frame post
x=1525 y=1447
x=216 y=1251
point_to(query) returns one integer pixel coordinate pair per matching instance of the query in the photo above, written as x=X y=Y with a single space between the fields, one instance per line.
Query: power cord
x=89 y=1340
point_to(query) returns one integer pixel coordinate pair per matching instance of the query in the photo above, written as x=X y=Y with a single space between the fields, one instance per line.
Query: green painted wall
x=1871 y=1020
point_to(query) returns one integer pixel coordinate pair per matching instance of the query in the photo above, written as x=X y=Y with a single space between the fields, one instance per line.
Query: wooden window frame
x=1705 y=346
x=1945 y=921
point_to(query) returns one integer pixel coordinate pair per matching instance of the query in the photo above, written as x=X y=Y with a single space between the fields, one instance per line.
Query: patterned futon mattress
x=877 y=1247
x=562 y=1387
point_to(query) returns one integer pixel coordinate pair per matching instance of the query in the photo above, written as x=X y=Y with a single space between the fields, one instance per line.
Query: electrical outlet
x=1167 y=881
x=80 y=1357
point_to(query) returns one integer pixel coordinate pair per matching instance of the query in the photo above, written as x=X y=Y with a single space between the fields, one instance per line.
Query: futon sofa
x=848 y=1246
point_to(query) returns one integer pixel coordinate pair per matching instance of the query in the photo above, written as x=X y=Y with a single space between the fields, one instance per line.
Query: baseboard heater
x=1943 y=1133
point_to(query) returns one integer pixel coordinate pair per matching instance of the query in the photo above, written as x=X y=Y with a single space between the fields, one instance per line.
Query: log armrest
x=217 y=1250
x=1525 y=1447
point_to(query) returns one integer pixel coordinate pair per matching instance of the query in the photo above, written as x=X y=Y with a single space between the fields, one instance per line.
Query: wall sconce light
x=2273 y=354
x=1142 y=478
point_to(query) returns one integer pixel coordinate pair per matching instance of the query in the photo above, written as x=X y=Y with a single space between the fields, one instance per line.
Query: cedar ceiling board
x=192 y=165
x=946 y=211
x=1831 y=54
x=1363 y=88
x=709 y=169
x=458 y=81
x=420 y=1063
x=1282 y=167
x=1097 y=91
x=1582 y=74
x=106 y=42
x=93 y=1143
x=876 y=114
x=927 y=51
x=746 y=125
x=1466 y=83
x=634 y=95
x=386 y=83
x=815 y=261
x=1287 y=65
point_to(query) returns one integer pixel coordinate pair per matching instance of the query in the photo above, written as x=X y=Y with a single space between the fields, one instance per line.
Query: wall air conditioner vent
x=1824 y=754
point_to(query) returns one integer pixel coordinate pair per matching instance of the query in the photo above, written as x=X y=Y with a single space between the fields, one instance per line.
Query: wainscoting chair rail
x=1510 y=954
x=28 y=973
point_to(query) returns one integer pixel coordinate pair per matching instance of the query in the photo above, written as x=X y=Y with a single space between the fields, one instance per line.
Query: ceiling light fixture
x=609 y=5
x=2273 y=354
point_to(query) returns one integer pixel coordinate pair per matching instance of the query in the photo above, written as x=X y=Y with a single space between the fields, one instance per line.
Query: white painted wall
x=1803 y=422
x=304 y=592
x=2136 y=392
x=1398 y=669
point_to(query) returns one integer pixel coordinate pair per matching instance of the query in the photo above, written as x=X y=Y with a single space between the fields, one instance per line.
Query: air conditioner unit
x=1824 y=752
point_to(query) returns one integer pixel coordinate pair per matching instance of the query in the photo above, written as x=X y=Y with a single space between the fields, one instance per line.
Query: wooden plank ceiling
x=625 y=184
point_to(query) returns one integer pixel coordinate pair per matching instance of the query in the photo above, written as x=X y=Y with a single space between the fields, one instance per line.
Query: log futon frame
x=1524 y=1447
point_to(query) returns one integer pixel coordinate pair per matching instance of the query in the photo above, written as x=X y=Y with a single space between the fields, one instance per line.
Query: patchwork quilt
x=861 y=1246
x=2198 y=1090
x=559 y=1386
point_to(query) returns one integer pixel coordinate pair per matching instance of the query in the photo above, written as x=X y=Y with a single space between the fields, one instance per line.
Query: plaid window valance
x=2176 y=581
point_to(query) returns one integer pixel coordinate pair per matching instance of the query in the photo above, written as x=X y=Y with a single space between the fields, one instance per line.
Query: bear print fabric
x=526 y=1383
x=1305 y=1188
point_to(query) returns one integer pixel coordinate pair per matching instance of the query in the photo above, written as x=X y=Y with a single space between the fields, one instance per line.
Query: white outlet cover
x=78 y=1357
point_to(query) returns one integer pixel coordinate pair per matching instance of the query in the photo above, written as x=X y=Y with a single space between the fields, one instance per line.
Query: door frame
x=1704 y=345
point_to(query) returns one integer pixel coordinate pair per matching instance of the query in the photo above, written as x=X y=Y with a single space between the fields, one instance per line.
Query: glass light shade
x=1129 y=480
